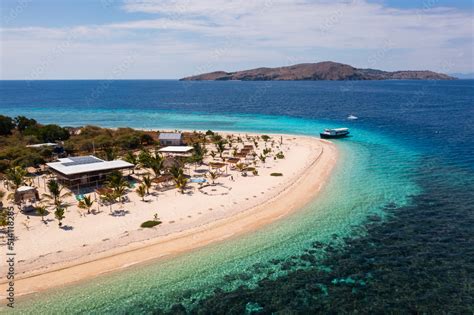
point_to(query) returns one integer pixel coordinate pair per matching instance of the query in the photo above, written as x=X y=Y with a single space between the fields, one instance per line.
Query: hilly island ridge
x=327 y=70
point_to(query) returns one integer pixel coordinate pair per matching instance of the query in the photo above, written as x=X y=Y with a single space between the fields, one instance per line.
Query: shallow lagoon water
x=366 y=179
x=391 y=231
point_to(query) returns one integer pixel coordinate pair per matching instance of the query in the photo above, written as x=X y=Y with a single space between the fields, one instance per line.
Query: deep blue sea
x=393 y=231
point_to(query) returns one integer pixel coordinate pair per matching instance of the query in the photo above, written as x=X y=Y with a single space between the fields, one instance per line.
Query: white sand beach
x=110 y=239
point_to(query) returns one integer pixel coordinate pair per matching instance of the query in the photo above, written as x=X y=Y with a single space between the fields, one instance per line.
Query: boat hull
x=326 y=136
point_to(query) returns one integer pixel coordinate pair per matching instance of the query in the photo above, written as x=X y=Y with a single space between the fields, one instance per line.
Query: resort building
x=171 y=139
x=56 y=148
x=85 y=170
x=176 y=150
x=43 y=145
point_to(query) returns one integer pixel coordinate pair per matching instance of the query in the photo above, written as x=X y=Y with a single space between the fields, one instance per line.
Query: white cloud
x=191 y=36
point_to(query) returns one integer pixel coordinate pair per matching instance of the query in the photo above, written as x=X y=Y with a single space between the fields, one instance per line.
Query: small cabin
x=170 y=139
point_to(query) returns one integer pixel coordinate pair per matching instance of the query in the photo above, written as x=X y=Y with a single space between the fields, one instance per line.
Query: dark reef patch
x=420 y=259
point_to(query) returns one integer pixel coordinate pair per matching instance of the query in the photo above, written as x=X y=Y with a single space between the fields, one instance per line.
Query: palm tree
x=15 y=176
x=220 y=146
x=241 y=167
x=178 y=176
x=176 y=171
x=118 y=184
x=213 y=176
x=198 y=153
x=152 y=161
x=262 y=158
x=157 y=166
x=86 y=203
x=213 y=154
x=42 y=211
x=131 y=158
x=110 y=153
x=59 y=214
x=55 y=192
x=144 y=156
x=181 y=182
x=147 y=182
x=120 y=192
x=141 y=191
x=110 y=198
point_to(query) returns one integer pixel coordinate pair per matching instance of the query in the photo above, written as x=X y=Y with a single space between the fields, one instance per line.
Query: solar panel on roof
x=81 y=160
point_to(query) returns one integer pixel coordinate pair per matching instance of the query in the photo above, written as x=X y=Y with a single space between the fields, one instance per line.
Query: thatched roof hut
x=26 y=193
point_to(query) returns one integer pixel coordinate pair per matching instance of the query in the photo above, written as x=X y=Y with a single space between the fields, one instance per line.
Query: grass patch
x=276 y=174
x=150 y=224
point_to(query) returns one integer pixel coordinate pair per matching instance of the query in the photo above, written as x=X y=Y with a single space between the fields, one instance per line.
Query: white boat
x=352 y=117
x=334 y=133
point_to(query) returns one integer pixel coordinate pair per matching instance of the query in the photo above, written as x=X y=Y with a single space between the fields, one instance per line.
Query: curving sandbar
x=102 y=243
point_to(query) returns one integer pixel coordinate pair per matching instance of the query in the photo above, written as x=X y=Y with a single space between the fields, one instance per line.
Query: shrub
x=150 y=224
x=276 y=174
x=280 y=155
x=48 y=133
x=6 y=125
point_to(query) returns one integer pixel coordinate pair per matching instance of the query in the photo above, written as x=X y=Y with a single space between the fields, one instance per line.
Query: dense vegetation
x=16 y=133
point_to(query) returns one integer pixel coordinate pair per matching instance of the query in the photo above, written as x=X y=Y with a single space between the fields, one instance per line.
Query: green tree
x=15 y=176
x=176 y=171
x=6 y=125
x=199 y=152
x=220 y=146
x=131 y=158
x=109 y=198
x=152 y=161
x=48 y=133
x=118 y=184
x=42 y=211
x=141 y=191
x=56 y=193
x=213 y=176
x=241 y=167
x=86 y=203
x=59 y=215
x=181 y=182
x=23 y=123
x=147 y=182
x=110 y=153
x=146 y=139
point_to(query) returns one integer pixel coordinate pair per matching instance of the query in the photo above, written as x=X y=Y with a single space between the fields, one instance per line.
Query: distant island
x=326 y=70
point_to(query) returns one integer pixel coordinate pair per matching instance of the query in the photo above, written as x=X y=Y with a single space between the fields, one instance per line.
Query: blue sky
x=153 y=39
